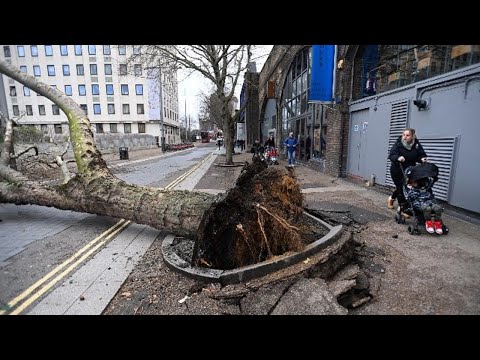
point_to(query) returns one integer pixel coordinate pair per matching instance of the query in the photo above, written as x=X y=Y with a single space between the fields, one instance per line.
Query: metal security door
x=356 y=152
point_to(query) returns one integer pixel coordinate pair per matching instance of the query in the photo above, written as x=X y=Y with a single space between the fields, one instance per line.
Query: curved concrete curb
x=235 y=164
x=251 y=271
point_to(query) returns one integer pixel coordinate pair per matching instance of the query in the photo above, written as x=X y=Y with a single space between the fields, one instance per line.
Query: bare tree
x=223 y=65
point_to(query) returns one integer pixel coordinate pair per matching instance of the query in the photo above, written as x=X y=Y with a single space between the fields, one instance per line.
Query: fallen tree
x=261 y=226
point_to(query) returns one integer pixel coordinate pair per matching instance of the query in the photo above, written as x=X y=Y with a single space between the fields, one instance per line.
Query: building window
x=29 y=110
x=140 y=109
x=296 y=88
x=68 y=90
x=122 y=49
x=63 y=50
x=107 y=50
x=34 y=50
x=123 y=69
x=137 y=68
x=36 y=70
x=48 y=50
x=99 y=128
x=20 y=51
x=51 y=70
x=55 y=110
x=13 y=91
x=124 y=88
x=93 y=69
x=44 y=128
x=58 y=128
x=84 y=108
x=141 y=128
x=139 y=89
x=125 y=108
x=6 y=51
x=23 y=69
x=97 y=110
x=111 y=108
x=109 y=88
x=16 y=110
x=95 y=90
x=113 y=128
x=41 y=109
x=80 y=70
x=78 y=50
x=108 y=69
x=92 y=50
x=81 y=90
x=26 y=91
x=66 y=70
x=127 y=128
x=136 y=50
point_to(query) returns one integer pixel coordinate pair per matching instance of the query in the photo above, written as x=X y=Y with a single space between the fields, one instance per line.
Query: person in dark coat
x=270 y=142
x=407 y=151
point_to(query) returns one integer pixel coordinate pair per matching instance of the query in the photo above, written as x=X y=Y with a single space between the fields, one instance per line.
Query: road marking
x=27 y=292
x=178 y=180
x=67 y=270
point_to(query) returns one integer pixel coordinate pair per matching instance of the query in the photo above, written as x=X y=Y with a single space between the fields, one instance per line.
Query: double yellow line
x=187 y=174
x=74 y=261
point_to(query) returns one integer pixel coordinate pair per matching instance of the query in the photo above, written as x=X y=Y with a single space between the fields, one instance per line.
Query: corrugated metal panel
x=398 y=122
x=440 y=151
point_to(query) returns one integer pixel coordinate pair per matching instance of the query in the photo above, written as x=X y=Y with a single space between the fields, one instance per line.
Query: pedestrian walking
x=290 y=143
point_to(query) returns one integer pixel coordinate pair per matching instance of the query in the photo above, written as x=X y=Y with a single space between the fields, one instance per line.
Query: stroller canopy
x=422 y=171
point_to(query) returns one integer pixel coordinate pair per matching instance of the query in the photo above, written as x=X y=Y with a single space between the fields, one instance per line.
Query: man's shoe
x=429 y=226
x=438 y=227
x=390 y=202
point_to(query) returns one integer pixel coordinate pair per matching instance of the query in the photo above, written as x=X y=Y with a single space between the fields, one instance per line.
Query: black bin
x=123 y=153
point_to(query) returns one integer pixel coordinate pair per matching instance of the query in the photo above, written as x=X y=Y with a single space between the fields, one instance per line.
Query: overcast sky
x=189 y=88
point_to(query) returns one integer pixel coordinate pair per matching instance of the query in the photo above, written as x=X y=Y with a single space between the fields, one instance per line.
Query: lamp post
x=162 y=126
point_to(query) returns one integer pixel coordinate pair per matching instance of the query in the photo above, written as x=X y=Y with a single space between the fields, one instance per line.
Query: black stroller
x=427 y=172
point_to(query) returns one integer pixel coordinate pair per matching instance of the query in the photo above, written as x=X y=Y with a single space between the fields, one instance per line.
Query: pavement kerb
x=246 y=273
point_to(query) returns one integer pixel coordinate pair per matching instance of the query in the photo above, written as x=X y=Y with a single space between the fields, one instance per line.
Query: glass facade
x=387 y=67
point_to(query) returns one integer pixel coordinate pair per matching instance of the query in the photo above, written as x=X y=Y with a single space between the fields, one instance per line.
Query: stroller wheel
x=445 y=230
x=410 y=229
x=399 y=219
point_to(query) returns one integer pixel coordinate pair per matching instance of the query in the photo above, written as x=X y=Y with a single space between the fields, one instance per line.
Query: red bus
x=205 y=136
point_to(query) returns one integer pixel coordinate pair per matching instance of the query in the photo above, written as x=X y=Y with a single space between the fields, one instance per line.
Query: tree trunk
x=178 y=212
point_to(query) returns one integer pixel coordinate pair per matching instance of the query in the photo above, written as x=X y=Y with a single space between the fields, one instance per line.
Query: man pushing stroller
x=419 y=181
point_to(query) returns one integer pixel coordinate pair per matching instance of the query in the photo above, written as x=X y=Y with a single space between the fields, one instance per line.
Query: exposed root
x=264 y=236
x=261 y=210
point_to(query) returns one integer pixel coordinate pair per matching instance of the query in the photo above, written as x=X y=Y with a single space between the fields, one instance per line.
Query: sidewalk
x=404 y=274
